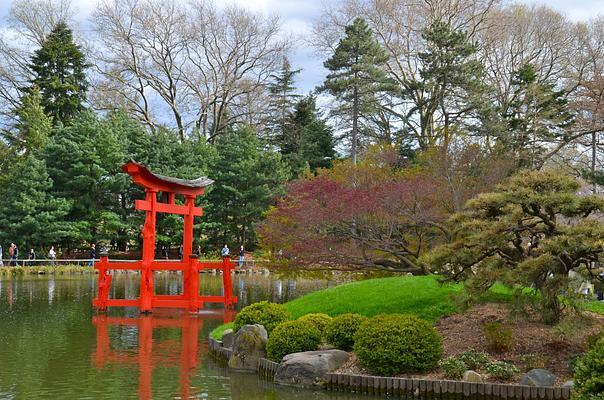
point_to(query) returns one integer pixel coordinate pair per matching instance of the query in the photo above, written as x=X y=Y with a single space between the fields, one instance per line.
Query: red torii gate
x=189 y=264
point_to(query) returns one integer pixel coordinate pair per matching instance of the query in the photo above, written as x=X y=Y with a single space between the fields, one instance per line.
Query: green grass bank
x=46 y=269
x=420 y=295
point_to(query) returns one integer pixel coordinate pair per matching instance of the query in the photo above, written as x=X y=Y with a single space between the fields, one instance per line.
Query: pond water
x=53 y=345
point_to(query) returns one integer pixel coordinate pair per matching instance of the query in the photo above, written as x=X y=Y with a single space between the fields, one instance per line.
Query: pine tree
x=247 y=179
x=59 y=69
x=449 y=87
x=84 y=160
x=283 y=98
x=310 y=142
x=356 y=76
x=537 y=116
x=31 y=215
x=34 y=127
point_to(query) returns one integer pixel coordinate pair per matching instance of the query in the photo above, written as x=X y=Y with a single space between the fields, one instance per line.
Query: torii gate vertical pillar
x=147 y=282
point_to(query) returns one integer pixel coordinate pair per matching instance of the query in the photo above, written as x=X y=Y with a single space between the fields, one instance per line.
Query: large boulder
x=249 y=345
x=310 y=367
x=538 y=377
x=472 y=376
x=227 y=338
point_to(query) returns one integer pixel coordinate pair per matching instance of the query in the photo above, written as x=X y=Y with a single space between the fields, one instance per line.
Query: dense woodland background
x=426 y=104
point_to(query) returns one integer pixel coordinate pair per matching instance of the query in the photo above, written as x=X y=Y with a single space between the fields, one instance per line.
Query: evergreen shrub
x=342 y=328
x=395 y=343
x=263 y=313
x=589 y=374
x=319 y=320
x=292 y=337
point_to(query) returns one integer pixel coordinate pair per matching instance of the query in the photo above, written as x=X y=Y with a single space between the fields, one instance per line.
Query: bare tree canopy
x=202 y=63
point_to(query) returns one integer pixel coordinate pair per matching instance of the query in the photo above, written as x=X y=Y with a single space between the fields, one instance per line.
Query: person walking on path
x=31 y=257
x=1 y=262
x=11 y=253
x=15 y=255
x=225 y=251
x=92 y=255
x=52 y=256
x=241 y=256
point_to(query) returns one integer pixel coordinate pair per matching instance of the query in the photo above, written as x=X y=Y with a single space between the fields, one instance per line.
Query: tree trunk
x=355 y=117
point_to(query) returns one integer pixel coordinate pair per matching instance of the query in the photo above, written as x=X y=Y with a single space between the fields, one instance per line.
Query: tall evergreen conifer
x=59 y=69
x=283 y=99
x=33 y=127
x=356 y=76
x=310 y=141
x=537 y=117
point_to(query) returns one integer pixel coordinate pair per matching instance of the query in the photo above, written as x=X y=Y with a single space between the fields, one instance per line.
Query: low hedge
x=341 y=330
x=319 y=320
x=395 y=343
x=292 y=337
x=263 y=313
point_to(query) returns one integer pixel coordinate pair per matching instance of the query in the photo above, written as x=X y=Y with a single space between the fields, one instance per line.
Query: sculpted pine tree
x=357 y=77
x=59 y=72
x=532 y=232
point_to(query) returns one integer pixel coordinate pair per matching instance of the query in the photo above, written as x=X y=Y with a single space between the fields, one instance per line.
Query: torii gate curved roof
x=142 y=176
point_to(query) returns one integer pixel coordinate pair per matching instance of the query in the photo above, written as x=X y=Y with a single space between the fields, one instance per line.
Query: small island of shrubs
x=387 y=344
x=395 y=344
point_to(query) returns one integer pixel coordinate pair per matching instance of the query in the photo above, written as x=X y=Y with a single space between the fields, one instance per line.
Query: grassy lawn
x=595 y=306
x=45 y=269
x=420 y=295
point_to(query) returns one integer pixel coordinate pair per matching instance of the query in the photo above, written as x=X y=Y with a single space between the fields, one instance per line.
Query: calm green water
x=54 y=346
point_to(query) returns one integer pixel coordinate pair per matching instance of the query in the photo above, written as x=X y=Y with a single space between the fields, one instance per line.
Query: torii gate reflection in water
x=187 y=359
x=189 y=264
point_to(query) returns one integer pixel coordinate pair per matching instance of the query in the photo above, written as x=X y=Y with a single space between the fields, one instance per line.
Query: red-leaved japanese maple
x=358 y=216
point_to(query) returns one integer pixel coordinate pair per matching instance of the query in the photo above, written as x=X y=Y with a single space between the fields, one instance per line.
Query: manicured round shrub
x=340 y=331
x=589 y=374
x=390 y=344
x=292 y=337
x=264 y=313
x=319 y=320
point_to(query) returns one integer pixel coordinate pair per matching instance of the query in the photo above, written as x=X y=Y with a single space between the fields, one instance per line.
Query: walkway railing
x=22 y=262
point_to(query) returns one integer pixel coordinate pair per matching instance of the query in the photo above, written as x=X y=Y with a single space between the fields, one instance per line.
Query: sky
x=298 y=16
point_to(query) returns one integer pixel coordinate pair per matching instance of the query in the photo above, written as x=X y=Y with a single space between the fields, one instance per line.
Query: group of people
x=13 y=256
x=225 y=253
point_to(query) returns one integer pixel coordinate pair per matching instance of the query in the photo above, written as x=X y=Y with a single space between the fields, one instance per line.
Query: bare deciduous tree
x=203 y=63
